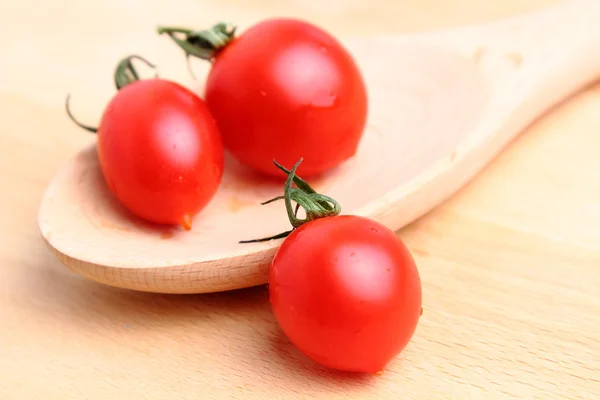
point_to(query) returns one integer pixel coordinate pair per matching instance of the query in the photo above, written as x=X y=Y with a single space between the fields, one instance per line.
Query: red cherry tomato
x=283 y=89
x=286 y=89
x=160 y=151
x=346 y=292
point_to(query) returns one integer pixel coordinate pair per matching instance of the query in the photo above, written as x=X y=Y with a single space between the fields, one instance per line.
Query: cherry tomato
x=160 y=151
x=346 y=292
x=283 y=89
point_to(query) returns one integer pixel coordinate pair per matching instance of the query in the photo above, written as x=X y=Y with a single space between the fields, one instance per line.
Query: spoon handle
x=529 y=63
x=526 y=65
x=532 y=61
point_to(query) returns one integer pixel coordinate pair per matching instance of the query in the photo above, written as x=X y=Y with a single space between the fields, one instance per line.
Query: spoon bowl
x=442 y=105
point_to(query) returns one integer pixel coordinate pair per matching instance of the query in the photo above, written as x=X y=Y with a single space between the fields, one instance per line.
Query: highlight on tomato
x=344 y=289
x=159 y=148
x=283 y=89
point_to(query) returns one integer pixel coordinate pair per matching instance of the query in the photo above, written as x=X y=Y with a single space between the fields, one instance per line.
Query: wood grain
x=510 y=265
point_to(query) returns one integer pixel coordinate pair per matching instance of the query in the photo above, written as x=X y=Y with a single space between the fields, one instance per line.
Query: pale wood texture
x=510 y=265
x=442 y=105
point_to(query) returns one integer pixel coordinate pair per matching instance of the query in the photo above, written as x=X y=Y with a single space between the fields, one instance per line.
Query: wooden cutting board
x=510 y=265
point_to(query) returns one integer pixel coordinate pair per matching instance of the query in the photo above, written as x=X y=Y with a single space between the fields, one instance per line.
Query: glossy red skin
x=286 y=89
x=346 y=292
x=160 y=151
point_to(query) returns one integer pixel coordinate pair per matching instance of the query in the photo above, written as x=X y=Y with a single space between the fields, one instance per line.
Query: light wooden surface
x=510 y=265
x=441 y=107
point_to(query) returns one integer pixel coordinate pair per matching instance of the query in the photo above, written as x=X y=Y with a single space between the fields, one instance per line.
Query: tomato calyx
x=125 y=73
x=204 y=44
x=315 y=205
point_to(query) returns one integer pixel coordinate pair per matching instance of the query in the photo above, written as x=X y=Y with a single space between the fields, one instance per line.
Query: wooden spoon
x=442 y=106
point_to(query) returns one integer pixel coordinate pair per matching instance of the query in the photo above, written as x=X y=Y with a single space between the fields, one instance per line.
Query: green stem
x=315 y=205
x=173 y=29
x=204 y=44
x=79 y=124
x=301 y=183
x=126 y=72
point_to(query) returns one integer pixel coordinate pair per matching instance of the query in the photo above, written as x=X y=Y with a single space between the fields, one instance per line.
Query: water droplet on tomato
x=263 y=93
